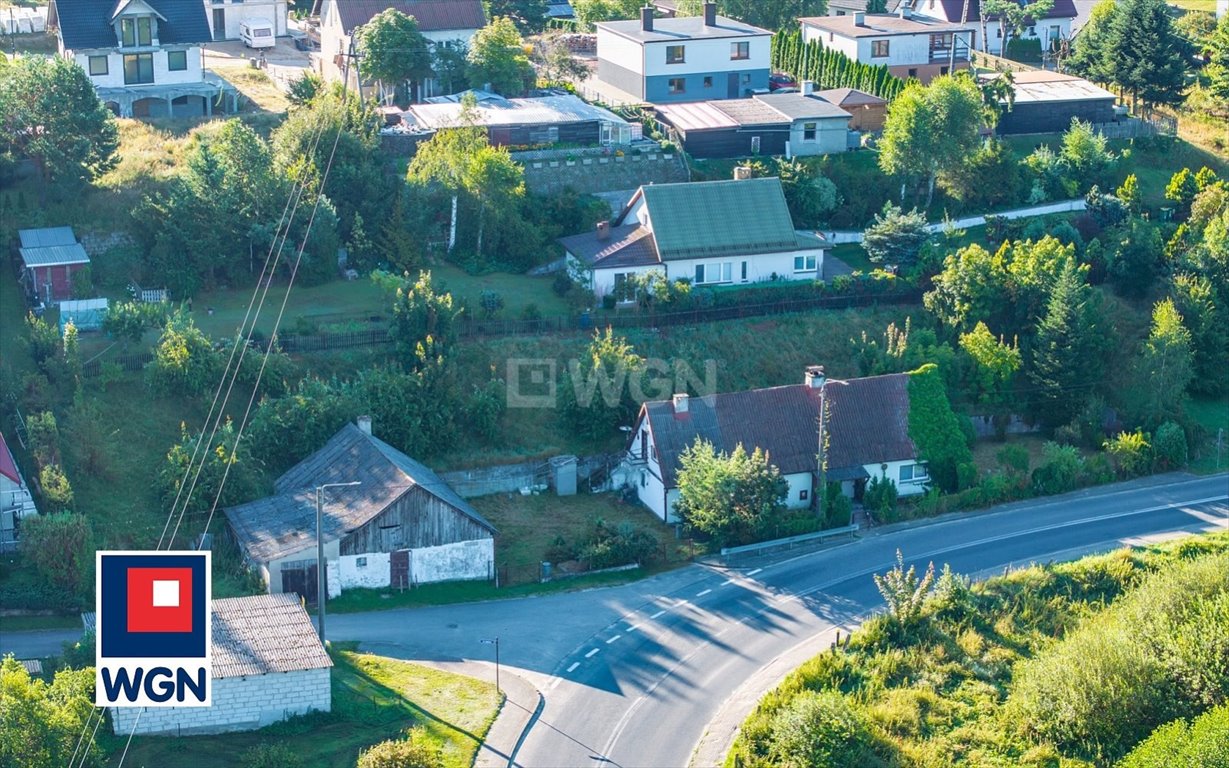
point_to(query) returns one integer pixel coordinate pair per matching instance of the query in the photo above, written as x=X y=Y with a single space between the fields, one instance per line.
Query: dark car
x=780 y=80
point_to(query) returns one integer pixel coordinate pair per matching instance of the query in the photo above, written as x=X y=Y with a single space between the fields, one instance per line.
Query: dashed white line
x=705 y=592
x=659 y=613
x=680 y=603
x=727 y=581
x=572 y=668
x=554 y=683
x=752 y=573
x=634 y=627
x=611 y=640
x=590 y=653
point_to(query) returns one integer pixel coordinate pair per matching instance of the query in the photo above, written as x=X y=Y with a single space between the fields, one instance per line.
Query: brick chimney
x=646 y=18
x=364 y=424
x=680 y=401
x=815 y=376
x=710 y=14
x=603 y=230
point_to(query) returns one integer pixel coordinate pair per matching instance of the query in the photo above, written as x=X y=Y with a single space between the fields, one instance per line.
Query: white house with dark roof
x=867 y=431
x=685 y=58
x=448 y=23
x=401 y=526
x=144 y=57
x=907 y=44
x=268 y=665
x=710 y=233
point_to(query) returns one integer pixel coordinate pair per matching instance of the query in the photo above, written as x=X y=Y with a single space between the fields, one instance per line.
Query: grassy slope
x=374 y=698
x=1212 y=414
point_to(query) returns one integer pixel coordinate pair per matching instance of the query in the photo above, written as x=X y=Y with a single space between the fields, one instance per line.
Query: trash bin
x=545 y=571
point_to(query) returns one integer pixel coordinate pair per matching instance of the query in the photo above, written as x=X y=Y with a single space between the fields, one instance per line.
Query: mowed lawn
x=374 y=698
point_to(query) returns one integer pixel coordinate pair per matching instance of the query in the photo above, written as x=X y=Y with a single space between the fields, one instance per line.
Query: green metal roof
x=719 y=218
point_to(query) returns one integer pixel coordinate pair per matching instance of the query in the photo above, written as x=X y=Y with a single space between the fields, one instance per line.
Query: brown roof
x=630 y=245
x=878 y=25
x=431 y=15
x=954 y=9
x=850 y=97
x=867 y=424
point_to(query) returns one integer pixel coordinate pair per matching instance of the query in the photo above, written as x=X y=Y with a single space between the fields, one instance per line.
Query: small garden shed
x=50 y=259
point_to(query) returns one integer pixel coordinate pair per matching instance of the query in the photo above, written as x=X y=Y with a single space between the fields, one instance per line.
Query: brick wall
x=239 y=704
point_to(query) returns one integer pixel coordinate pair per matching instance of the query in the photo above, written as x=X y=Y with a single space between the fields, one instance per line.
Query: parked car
x=779 y=80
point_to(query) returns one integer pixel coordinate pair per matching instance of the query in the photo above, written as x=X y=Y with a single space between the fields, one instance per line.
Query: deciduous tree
x=393 y=51
x=528 y=15
x=45 y=725
x=1165 y=368
x=1014 y=16
x=497 y=57
x=733 y=497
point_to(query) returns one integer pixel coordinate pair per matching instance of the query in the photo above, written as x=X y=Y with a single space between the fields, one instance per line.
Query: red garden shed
x=50 y=258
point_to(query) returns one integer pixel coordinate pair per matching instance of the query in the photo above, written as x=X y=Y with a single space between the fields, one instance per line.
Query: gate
x=300 y=577
x=399 y=569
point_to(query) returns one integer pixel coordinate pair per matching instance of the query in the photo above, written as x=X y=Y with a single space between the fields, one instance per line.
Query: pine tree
x=1148 y=58
x=1067 y=351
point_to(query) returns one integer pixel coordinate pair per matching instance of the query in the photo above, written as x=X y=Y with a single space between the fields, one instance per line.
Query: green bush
x=880 y=496
x=1025 y=49
x=624 y=545
x=1013 y=457
x=1131 y=452
x=44 y=438
x=821 y=729
x=1201 y=744
x=265 y=755
x=1169 y=446
x=184 y=359
x=937 y=430
x=838 y=509
x=1060 y=469
x=414 y=751
x=57 y=491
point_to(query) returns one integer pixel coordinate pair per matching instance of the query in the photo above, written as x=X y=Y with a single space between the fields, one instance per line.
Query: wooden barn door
x=399 y=569
x=301 y=579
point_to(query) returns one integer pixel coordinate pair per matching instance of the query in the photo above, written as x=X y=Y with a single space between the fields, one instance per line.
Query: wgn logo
x=153 y=633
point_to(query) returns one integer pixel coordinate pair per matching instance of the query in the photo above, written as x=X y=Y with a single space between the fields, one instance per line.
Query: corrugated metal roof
x=1049 y=87
x=54 y=255
x=48 y=236
x=695 y=116
x=543 y=110
x=431 y=15
x=258 y=635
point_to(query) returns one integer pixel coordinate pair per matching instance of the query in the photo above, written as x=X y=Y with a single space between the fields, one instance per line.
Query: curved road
x=633 y=675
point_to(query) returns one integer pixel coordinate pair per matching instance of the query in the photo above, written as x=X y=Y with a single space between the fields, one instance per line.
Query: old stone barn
x=401 y=526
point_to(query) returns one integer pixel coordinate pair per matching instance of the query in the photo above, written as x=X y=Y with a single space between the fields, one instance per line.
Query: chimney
x=808 y=87
x=646 y=18
x=905 y=12
x=603 y=230
x=710 y=14
x=815 y=376
x=364 y=424
x=859 y=19
x=680 y=402
x=742 y=172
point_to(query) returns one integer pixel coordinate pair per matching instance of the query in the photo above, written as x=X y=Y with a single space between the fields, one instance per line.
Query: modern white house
x=16 y=501
x=710 y=233
x=688 y=58
x=401 y=526
x=866 y=432
x=1055 y=25
x=907 y=44
x=143 y=56
x=448 y=23
x=226 y=16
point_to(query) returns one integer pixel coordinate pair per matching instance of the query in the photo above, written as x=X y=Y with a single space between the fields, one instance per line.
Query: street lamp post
x=494 y=642
x=322 y=590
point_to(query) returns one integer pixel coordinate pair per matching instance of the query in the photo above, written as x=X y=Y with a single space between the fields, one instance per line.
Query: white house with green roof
x=710 y=233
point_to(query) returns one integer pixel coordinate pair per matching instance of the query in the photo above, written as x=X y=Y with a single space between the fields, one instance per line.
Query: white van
x=257 y=33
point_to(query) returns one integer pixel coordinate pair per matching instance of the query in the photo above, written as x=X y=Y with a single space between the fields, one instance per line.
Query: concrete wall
x=464 y=560
x=831 y=136
x=373 y=573
x=235 y=12
x=239 y=704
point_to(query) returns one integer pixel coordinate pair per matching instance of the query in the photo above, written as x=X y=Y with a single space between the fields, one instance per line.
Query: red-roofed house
x=867 y=435
x=16 y=502
x=448 y=23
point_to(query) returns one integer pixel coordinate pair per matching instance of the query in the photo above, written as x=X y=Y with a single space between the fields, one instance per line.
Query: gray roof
x=280 y=525
x=751 y=112
x=42 y=238
x=258 y=635
x=54 y=255
x=797 y=106
x=1043 y=86
x=86 y=24
x=849 y=96
x=681 y=29
x=540 y=110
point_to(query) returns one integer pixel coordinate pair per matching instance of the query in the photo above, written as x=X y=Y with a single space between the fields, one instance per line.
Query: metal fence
x=133 y=362
x=734 y=554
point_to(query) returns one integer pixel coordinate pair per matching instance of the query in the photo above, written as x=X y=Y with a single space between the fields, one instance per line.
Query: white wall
x=618 y=49
x=831 y=136
x=700 y=56
x=846 y=45
x=893 y=473
x=238 y=11
x=162 y=76
x=463 y=560
x=760 y=268
x=798 y=483
x=239 y=704
x=374 y=574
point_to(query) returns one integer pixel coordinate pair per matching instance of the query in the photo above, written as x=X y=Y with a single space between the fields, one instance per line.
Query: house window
x=914 y=473
x=804 y=263
x=808 y=131
x=674 y=54
x=941 y=42
x=1032 y=31
x=744 y=272
x=360 y=562
x=803 y=494
x=842 y=13
x=879 y=49
x=678 y=85
x=708 y=82
x=715 y=273
x=746 y=79
x=740 y=51
x=138 y=68
x=755 y=145
x=98 y=65
x=176 y=61
x=138 y=31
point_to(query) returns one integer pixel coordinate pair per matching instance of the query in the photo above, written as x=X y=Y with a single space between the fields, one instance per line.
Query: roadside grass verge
x=32 y=623
x=374 y=698
x=1211 y=414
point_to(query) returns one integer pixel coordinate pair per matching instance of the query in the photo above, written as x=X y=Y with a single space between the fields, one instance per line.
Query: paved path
x=1063 y=206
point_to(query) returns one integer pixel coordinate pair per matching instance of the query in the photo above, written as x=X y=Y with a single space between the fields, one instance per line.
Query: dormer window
x=136 y=31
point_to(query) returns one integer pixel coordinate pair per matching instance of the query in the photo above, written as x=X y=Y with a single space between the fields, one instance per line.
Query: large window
x=678 y=85
x=740 y=51
x=138 y=31
x=941 y=41
x=674 y=54
x=808 y=131
x=804 y=263
x=879 y=49
x=98 y=65
x=176 y=61
x=138 y=68
x=715 y=273
x=914 y=473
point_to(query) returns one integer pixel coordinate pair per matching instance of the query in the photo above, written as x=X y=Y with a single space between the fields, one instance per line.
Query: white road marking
x=680 y=603
x=727 y=581
x=634 y=627
x=554 y=684
x=611 y=640
x=572 y=668
x=705 y=592
x=591 y=652
x=659 y=613
x=752 y=573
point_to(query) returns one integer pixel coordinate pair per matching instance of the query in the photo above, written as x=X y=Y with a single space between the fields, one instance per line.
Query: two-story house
x=448 y=23
x=865 y=435
x=1054 y=25
x=710 y=233
x=225 y=16
x=16 y=502
x=691 y=58
x=144 y=57
x=907 y=44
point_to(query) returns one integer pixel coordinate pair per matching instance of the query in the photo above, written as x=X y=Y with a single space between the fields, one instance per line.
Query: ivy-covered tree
x=936 y=431
x=735 y=498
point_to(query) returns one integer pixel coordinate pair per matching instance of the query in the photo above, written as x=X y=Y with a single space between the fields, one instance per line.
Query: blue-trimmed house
x=692 y=58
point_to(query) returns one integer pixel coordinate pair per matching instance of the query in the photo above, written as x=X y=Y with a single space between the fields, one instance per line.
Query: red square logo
x=159 y=599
